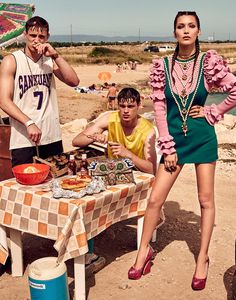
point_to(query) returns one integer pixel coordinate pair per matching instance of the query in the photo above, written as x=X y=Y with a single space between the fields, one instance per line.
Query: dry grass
x=227 y=50
x=80 y=55
x=121 y=53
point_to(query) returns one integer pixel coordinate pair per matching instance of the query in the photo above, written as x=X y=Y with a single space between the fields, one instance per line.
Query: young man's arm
x=150 y=150
x=7 y=74
x=65 y=72
x=147 y=165
x=93 y=133
x=61 y=68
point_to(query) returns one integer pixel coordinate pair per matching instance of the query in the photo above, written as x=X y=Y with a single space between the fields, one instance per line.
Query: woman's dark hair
x=127 y=94
x=179 y=14
x=186 y=13
x=36 y=22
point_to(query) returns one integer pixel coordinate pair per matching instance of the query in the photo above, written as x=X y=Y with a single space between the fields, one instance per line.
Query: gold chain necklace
x=186 y=56
x=183 y=95
x=183 y=99
x=183 y=112
x=36 y=84
x=185 y=66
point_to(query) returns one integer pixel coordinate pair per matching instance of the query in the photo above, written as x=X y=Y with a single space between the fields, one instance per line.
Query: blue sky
x=129 y=17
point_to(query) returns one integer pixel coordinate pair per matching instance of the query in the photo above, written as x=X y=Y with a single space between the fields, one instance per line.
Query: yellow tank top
x=134 y=142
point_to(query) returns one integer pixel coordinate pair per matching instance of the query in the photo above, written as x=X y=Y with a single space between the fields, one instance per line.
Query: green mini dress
x=200 y=143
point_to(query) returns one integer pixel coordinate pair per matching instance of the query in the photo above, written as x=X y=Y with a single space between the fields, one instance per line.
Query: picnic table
x=70 y=222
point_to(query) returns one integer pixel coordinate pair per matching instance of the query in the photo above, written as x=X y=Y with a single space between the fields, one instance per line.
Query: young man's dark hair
x=129 y=94
x=36 y=22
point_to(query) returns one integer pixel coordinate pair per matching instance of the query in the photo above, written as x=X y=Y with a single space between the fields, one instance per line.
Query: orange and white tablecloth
x=70 y=222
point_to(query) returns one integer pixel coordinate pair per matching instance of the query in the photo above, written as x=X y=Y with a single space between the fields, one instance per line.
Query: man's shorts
x=25 y=155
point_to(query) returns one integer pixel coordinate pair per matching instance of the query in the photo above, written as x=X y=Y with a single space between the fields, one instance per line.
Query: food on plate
x=85 y=177
x=73 y=184
x=31 y=169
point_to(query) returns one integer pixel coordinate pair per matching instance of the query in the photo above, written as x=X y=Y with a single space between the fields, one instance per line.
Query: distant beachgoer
x=133 y=65
x=181 y=83
x=111 y=97
x=105 y=86
x=92 y=87
x=125 y=66
x=118 y=68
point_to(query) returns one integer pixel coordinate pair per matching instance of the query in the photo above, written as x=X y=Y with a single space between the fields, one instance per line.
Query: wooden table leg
x=16 y=253
x=154 y=235
x=139 y=230
x=79 y=275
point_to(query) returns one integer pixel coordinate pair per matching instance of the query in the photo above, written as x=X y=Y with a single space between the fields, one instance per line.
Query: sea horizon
x=217 y=98
x=86 y=38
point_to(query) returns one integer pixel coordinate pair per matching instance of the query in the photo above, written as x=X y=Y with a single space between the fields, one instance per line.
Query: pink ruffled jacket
x=216 y=74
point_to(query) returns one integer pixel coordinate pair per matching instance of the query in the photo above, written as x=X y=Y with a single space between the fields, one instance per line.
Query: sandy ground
x=177 y=240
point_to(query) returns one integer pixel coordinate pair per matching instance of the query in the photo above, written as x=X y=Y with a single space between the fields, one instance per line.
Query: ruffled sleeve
x=217 y=74
x=157 y=82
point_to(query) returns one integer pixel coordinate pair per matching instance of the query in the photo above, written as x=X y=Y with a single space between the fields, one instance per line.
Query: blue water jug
x=48 y=280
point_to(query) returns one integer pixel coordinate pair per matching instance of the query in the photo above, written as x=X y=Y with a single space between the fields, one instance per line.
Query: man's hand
x=98 y=137
x=119 y=150
x=197 y=111
x=45 y=49
x=34 y=133
x=170 y=162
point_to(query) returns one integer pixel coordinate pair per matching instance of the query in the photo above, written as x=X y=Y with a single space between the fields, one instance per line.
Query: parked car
x=166 y=48
x=151 y=49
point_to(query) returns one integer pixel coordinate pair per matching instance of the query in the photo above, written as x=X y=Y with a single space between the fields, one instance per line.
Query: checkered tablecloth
x=70 y=222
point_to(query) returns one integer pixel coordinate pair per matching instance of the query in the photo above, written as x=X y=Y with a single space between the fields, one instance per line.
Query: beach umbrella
x=104 y=76
x=12 y=21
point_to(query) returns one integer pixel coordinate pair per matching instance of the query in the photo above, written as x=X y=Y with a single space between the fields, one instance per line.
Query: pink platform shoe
x=199 y=284
x=146 y=268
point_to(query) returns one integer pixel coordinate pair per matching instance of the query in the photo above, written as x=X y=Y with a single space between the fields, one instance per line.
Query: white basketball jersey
x=35 y=95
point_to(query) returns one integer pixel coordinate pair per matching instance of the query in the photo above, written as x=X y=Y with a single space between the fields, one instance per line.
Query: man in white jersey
x=28 y=94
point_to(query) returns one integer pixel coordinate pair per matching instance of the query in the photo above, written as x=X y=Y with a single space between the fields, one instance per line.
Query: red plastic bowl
x=31 y=178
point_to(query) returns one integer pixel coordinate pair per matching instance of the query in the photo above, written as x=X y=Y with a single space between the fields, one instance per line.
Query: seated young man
x=129 y=135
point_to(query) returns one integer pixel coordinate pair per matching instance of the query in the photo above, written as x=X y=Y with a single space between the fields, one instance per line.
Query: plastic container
x=48 y=280
x=31 y=178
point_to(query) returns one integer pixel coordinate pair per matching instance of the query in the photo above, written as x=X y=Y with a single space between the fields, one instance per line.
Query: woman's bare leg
x=162 y=185
x=205 y=182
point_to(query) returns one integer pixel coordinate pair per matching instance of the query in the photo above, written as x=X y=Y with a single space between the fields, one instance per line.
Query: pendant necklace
x=183 y=96
x=35 y=82
x=184 y=66
x=183 y=112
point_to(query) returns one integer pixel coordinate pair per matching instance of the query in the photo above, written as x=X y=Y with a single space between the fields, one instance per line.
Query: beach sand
x=177 y=240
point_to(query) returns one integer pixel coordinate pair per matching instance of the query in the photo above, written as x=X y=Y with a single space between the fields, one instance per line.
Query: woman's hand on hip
x=170 y=162
x=197 y=111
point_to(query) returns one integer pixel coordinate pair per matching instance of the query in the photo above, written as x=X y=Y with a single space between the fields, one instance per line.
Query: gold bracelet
x=89 y=136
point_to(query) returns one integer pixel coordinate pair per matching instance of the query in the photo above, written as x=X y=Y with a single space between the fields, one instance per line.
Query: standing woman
x=181 y=83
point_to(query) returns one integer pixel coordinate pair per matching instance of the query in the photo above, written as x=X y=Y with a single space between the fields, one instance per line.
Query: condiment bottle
x=84 y=165
x=72 y=165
